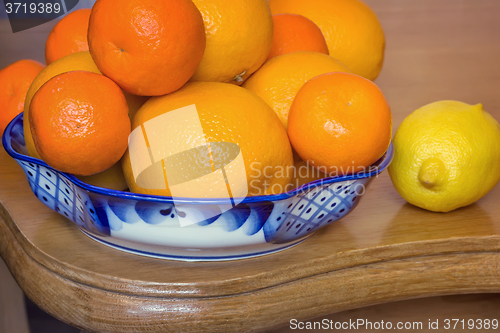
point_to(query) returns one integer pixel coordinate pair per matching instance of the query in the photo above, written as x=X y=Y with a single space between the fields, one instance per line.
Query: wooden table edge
x=95 y=309
x=333 y=264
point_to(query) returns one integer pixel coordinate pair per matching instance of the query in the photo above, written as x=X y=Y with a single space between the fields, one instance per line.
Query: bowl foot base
x=192 y=255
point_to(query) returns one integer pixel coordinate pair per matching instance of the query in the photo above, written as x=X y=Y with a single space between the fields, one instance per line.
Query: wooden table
x=385 y=250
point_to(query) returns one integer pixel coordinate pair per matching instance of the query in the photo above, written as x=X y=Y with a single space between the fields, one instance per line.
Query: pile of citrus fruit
x=289 y=82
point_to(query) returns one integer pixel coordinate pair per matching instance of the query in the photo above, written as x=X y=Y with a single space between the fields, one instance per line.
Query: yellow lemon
x=447 y=156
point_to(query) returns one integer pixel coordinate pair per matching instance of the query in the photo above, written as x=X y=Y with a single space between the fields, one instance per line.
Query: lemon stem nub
x=432 y=173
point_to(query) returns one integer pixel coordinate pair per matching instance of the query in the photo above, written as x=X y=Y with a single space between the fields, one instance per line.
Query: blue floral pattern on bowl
x=151 y=225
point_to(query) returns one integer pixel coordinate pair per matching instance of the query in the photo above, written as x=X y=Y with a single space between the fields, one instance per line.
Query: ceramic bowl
x=153 y=225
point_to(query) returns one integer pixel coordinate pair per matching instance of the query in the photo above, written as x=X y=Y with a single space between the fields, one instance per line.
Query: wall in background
x=33 y=45
x=81 y=4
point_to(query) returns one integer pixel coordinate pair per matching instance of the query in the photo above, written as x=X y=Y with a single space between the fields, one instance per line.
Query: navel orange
x=239 y=38
x=208 y=125
x=15 y=81
x=79 y=122
x=148 y=47
x=351 y=29
x=279 y=79
x=296 y=33
x=340 y=123
x=68 y=36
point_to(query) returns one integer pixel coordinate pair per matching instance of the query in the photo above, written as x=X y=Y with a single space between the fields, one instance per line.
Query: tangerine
x=148 y=47
x=68 y=36
x=15 y=81
x=79 y=122
x=296 y=33
x=80 y=61
x=340 y=123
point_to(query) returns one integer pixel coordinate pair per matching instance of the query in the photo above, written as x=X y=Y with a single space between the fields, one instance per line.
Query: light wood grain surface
x=416 y=314
x=385 y=250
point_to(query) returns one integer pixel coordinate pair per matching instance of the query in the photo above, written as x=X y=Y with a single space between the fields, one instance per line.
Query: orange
x=279 y=80
x=351 y=29
x=148 y=47
x=15 y=80
x=229 y=116
x=239 y=38
x=74 y=62
x=296 y=33
x=111 y=178
x=80 y=61
x=68 y=36
x=340 y=123
x=79 y=122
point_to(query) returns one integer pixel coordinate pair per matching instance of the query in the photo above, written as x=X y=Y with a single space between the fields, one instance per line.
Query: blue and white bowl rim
x=380 y=166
